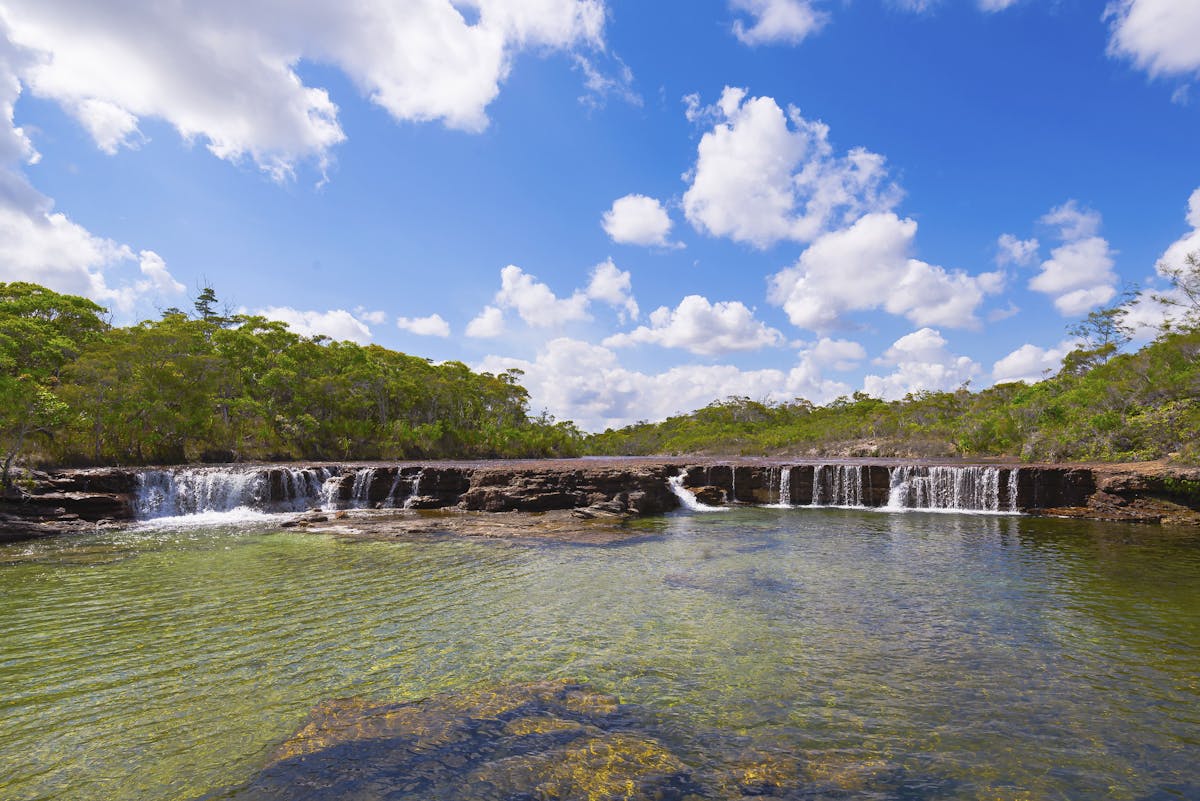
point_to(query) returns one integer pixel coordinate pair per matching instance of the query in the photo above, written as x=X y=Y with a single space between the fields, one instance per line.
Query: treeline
x=208 y=386
x=1103 y=405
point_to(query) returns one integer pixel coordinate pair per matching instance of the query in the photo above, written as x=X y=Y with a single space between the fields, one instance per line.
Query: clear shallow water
x=984 y=657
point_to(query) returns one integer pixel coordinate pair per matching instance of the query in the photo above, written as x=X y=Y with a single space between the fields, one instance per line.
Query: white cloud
x=867 y=266
x=1078 y=275
x=1159 y=36
x=840 y=354
x=637 y=220
x=536 y=303
x=586 y=383
x=1030 y=363
x=996 y=5
x=776 y=21
x=1177 y=253
x=226 y=72
x=488 y=324
x=614 y=287
x=43 y=246
x=762 y=176
x=602 y=84
x=922 y=364
x=158 y=278
x=431 y=326
x=703 y=328
x=1147 y=315
x=1010 y=250
x=338 y=324
x=367 y=316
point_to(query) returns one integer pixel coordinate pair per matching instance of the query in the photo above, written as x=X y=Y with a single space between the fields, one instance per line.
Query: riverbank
x=70 y=501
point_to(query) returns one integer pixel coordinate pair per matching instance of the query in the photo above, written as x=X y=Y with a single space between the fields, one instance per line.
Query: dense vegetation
x=1102 y=405
x=212 y=386
x=75 y=390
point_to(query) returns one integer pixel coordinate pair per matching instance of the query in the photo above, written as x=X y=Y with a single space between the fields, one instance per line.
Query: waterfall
x=1014 y=483
x=222 y=490
x=390 y=501
x=416 y=490
x=972 y=489
x=686 y=497
x=780 y=481
x=837 y=485
x=360 y=493
x=189 y=491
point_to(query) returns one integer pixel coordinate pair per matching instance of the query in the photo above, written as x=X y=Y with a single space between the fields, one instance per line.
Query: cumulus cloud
x=922 y=364
x=763 y=175
x=537 y=305
x=1149 y=314
x=431 y=326
x=488 y=324
x=1159 y=36
x=1176 y=255
x=226 y=72
x=703 y=328
x=839 y=354
x=45 y=246
x=586 y=383
x=376 y=317
x=337 y=324
x=637 y=220
x=1078 y=275
x=1010 y=250
x=614 y=287
x=1031 y=363
x=776 y=21
x=867 y=266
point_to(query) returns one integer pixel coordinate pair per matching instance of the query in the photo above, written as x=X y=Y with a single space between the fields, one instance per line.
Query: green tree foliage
x=40 y=333
x=1102 y=405
x=218 y=387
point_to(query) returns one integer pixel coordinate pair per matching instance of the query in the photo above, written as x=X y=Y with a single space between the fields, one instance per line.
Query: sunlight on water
x=971 y=656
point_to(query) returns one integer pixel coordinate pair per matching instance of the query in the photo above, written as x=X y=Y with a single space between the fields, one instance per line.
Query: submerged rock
x=540 y=741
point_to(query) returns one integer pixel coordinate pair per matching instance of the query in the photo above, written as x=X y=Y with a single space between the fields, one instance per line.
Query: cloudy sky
x=643 y=205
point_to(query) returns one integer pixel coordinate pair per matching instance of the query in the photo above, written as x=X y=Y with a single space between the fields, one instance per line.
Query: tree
x=1185 y=280
x=40 y=332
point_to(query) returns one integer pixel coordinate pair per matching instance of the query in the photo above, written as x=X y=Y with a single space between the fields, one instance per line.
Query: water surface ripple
x=983 y=657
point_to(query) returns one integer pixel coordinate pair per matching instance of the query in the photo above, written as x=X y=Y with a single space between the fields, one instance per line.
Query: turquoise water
x=981 y=657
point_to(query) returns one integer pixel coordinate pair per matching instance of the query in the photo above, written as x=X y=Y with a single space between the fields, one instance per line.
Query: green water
x=984 y=657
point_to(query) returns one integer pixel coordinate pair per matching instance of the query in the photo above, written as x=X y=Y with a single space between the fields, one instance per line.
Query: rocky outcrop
x=50 y=503
x=632 y=490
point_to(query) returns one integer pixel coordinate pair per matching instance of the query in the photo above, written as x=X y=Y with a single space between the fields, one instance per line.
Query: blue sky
x=643 y=205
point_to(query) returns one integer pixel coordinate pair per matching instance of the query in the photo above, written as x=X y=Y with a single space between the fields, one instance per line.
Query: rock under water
x=519 y=742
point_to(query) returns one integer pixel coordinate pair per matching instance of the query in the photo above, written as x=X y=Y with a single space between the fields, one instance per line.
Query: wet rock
x=710 y=496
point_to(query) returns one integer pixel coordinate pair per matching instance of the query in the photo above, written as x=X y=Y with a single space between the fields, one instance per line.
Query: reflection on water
x=888 y=655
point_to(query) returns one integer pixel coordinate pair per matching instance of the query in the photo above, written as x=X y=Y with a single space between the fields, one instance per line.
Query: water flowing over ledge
x=600 y=487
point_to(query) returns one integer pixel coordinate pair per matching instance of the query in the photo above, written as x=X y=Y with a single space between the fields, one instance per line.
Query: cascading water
x=190 y=491
x=360 y=491
x=837 y=485
x=686 y=497
x=416 y=490
x=1014 y=483
x=970 y=489
x=785 y=486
